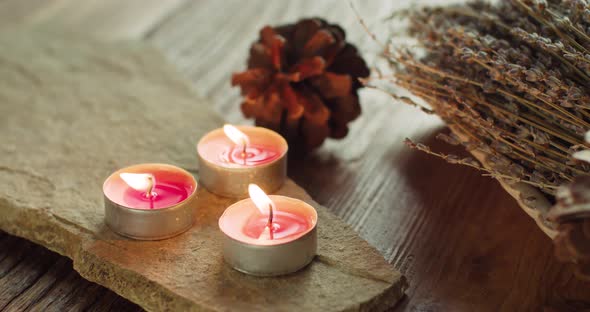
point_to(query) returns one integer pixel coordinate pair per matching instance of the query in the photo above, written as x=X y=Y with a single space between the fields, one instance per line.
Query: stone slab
x=74 y=109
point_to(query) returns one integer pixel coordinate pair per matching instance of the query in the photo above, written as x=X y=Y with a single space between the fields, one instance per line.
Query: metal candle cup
x=222 y=171
x=166 y=212
x=294 y=245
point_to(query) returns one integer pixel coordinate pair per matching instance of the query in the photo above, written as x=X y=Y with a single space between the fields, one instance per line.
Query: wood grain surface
x=462 y=242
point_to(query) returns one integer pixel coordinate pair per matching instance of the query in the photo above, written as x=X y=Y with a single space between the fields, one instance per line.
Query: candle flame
x=236 y=136
x=260 y=199
x=265 y=205
x=143 y=182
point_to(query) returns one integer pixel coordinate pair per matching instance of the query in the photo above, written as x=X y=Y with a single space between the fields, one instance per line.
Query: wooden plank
x=105 y=18
x=71 y=292
x=16 y=273
x=58 y=288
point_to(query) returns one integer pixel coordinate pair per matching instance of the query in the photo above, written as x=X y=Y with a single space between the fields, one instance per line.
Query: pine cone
x=302 y=81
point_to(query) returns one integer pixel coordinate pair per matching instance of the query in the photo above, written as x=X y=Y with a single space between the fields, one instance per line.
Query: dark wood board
x=463 y=243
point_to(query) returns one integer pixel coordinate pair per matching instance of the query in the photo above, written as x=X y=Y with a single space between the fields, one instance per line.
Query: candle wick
x=244 y=147
x=270 y=220
x=244 y=150
x=150 y=187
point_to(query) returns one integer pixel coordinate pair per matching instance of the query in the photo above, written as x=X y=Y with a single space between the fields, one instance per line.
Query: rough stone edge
x=390 y=295
x=83 y=260
x=519 y=190
x=16 y=218
x=387 y=299
x=146 y=293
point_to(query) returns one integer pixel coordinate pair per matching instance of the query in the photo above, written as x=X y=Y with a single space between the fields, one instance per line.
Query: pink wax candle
x=231 y=157
x=269 y=235
x=149 y=186
x=242 y=147
x=149 y=201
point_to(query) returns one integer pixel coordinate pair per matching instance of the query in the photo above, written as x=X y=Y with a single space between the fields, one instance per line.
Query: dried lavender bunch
x=511 y=79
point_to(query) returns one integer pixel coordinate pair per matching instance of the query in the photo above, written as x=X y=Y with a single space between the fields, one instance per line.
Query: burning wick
x=270 y=216
x=150 y=189
x=238 y=137
x=142 y=182
x=261 y=200
x=269 y=224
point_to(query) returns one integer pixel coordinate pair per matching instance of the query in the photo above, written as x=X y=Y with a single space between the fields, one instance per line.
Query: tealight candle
x=233 y=157
x=269 y=235
x=149 y=201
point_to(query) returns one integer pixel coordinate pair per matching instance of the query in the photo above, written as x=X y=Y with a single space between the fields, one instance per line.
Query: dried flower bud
x=528 y=200
x=422 y=147
x=452 y=159
x=532 y=75
x=470 y=161
x=453 y=140
x=574 y=93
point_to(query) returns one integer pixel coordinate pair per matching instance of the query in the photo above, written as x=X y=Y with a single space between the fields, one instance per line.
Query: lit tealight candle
x=149 y=201
x=231 y=157
x=269 y=235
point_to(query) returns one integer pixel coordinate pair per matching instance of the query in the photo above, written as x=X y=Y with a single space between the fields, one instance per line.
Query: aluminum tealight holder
x=256 y=258
x=230 y=180
x=270 y=260
x=129 y=220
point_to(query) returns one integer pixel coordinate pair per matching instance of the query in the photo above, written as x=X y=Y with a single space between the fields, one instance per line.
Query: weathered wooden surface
x=74 y=110
x=537 y=209
x=462 y=242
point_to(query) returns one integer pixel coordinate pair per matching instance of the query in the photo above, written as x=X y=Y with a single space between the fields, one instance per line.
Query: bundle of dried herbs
x=512 y=80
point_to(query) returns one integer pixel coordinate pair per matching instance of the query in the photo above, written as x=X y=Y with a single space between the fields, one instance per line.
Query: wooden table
x=462 y=242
